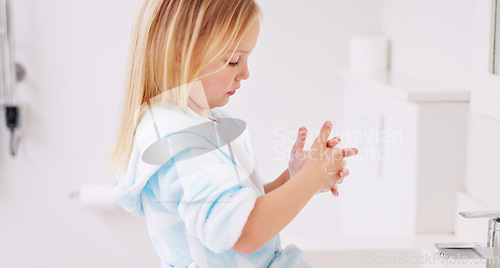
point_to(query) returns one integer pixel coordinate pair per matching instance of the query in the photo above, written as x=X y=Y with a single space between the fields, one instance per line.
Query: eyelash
x=233 y=64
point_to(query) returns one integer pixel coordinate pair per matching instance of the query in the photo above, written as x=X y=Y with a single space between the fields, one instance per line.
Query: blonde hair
x=171 y=41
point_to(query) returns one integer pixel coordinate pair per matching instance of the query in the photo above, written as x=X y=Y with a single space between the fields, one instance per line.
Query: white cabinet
x=411 y=135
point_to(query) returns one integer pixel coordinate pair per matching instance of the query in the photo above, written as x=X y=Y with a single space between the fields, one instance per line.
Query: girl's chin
x=223 y=101
x=220 y=102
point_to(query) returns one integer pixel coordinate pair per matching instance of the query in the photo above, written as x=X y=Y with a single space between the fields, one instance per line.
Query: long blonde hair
x=171 y=41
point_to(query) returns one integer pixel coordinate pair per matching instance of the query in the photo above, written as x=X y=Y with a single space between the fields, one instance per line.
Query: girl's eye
x=233 y=64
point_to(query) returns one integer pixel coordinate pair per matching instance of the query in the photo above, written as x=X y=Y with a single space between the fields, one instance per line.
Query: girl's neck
x=197 y=109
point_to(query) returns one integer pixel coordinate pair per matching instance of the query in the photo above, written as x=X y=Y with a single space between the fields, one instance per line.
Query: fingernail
x=342 y=174
x=328 y=124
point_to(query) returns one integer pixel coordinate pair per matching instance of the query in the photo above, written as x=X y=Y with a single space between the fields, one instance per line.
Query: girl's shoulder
x=167 y=116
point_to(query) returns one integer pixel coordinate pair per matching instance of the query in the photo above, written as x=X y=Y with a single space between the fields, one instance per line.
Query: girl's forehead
x=248 y=41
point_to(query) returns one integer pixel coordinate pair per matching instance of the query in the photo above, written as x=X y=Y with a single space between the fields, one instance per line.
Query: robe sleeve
x=216 y=198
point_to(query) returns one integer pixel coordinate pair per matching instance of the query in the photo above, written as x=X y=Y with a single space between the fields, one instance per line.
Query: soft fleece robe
x=197 y=203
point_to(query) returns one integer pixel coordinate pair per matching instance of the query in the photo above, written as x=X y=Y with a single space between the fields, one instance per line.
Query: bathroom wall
x=75 y=54
x=434 y=40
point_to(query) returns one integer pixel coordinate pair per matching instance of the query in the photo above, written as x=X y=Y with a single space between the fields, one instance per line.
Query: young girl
x=185 y=165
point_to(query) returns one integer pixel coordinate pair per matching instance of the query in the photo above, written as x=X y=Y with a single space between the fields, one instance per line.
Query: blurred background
x=303 y=71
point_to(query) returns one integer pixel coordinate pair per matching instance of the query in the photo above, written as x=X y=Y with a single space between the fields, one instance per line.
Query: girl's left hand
x=298 y=156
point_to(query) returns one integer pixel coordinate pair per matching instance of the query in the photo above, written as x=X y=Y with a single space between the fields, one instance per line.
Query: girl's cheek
x=227 y=80
x=219 y=85
x=224 y=81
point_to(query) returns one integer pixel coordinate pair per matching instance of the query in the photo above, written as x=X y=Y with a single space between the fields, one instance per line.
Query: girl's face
x=216 y=86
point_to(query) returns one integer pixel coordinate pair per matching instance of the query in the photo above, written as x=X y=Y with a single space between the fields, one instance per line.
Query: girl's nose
x=245 y=74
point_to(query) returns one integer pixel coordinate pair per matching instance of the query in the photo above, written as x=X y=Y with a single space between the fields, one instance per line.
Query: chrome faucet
x=489 y=250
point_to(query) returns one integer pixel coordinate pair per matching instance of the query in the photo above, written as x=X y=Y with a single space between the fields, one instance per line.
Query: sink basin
x=416 y=251
x=375 y=258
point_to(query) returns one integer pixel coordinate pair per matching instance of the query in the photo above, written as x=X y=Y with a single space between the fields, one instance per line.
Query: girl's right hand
x=326 y=159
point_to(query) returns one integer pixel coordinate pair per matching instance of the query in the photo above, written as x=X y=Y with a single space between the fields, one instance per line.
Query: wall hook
x=12 y=119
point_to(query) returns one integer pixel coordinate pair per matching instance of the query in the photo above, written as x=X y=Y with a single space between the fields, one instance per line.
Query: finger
x=325 y=132
x=335 y=190
x=333 y=142
x=334 y=179
x=301 y=138
x=343 y=173
x=346 y=172
x=349 y=152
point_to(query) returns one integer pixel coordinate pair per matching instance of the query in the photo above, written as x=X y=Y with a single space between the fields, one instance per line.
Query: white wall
x=434 y=40
x=75 y=53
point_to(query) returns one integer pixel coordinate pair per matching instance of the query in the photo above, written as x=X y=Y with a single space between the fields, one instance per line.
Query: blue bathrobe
x=198 y=199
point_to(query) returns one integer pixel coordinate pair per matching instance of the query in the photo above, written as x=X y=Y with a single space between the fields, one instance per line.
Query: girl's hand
x=342 y=173
x=298 y=156
x=328 y=161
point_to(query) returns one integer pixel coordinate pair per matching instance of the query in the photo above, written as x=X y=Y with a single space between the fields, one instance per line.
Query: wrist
x=287 y=174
